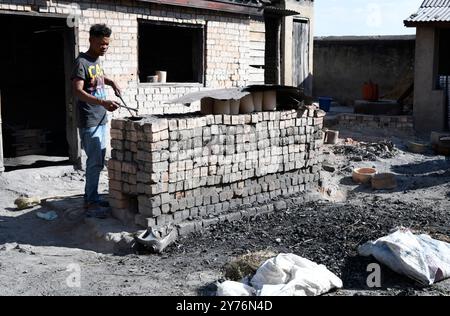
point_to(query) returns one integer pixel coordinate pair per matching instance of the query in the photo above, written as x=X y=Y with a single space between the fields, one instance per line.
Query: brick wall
x=174 y=169
x=382 y=122
x=227 y=46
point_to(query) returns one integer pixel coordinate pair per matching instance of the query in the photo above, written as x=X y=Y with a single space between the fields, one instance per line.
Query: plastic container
x=325 y=103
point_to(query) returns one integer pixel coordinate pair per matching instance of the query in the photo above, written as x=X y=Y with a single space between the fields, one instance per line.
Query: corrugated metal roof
x=276 y=11
x=431 y=11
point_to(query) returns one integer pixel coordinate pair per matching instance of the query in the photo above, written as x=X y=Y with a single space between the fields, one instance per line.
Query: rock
x=280 y=206
x=10 y=246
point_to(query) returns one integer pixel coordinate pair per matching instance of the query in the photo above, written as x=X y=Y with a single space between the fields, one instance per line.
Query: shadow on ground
x=71 y=229
x=355 y=276
x=423 y=168
x=39 y=164
x=208 y=290
x=415 y=176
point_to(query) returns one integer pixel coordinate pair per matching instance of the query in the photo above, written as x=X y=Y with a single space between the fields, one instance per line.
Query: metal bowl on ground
x=363 y=175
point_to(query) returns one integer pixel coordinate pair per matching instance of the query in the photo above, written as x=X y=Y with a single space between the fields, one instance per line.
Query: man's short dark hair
x=100 y=30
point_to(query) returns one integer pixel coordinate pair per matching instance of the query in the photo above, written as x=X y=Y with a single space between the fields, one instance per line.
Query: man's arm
x=80 y=94
x=113 y=85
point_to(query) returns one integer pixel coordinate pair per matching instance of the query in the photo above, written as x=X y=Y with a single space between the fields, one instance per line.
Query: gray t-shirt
x=91 y=71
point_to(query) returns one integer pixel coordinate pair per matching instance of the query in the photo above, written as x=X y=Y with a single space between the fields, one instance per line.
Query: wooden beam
x=212 y=5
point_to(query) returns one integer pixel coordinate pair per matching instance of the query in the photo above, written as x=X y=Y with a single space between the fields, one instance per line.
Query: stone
x=186 y=228
x=280 y=206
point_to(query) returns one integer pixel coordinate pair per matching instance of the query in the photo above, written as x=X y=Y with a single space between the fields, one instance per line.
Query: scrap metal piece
x=158 y=240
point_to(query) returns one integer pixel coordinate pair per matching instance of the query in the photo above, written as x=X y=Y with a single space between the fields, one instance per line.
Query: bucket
x=325 y=103
x=162 y=76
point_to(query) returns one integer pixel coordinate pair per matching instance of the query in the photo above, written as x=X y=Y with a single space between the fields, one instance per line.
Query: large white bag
x=231 y=288
x=285 y=275
x=291 y=275
x=419 y=257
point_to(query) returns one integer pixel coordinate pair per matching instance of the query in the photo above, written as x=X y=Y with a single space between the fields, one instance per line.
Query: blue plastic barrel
x=325 y=103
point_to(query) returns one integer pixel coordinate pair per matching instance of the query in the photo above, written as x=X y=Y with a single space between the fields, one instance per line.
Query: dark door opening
x=33 y=90
x=444 y=69
x=175 y=48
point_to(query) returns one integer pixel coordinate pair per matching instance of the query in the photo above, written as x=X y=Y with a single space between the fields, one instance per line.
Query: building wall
x=429 y=103
x=343 y=64
x=227 y=46
x=387 y=125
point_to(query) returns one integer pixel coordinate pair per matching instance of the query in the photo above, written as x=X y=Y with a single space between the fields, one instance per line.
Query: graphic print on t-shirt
x=96 y=82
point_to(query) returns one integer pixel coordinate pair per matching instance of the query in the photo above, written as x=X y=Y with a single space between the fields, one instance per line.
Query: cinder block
x=186 y=228
x=210 y=222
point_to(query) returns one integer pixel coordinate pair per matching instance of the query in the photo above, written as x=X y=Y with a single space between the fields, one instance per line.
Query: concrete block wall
x=343 y=64
x=185 y=169
x=227 y=47
x=401 y=123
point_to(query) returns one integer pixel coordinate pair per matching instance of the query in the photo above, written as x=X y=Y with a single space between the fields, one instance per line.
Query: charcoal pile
x=326 y=233
x=367 y=151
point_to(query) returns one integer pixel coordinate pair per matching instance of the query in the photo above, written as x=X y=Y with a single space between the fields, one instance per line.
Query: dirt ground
x=39 y=257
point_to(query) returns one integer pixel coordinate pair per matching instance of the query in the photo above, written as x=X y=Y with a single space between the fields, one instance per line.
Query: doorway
x=37 y=127
x=300 y=55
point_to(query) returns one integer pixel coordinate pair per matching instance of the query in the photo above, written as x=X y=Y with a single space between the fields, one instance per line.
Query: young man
x=89 y=82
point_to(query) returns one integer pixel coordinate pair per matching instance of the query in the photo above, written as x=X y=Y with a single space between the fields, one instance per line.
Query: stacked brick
x=151 y=98
x=172 y=169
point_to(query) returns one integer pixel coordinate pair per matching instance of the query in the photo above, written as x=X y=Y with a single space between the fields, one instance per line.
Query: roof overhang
x=434 y=13
x=272 y=11
x=439 y=24
x=214 y=5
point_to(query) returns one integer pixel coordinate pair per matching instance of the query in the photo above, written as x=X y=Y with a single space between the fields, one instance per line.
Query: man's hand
x=111 y=106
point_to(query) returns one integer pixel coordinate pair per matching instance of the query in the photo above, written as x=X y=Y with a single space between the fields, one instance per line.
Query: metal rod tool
x=125 y=106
